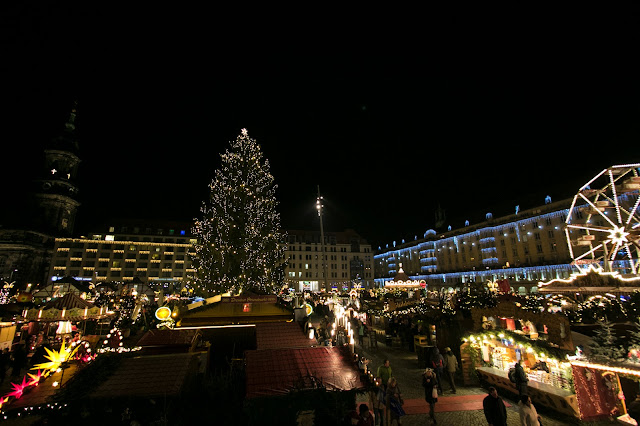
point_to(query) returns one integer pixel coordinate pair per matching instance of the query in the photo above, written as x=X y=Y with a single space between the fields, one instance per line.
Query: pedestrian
x=520 y=379
x=394 y=403
x=361 y=334
x=366 y=419
x=430 y=385
x=451 y=366
x=494 y=409
x=384 y=372
x=633 y=409
x=18 y=360
x=377 y=402
x=437 y=363
x=5 y=359
x=39 y=356
x=528 y=414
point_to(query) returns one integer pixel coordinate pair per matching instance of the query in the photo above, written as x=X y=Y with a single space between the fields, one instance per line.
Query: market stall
x=550 y=375
x=540 y=340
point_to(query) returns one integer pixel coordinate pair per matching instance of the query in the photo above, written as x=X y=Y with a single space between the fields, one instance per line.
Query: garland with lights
x=240 y=244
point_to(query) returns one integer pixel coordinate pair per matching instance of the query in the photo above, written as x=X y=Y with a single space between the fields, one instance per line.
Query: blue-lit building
x=526 y=247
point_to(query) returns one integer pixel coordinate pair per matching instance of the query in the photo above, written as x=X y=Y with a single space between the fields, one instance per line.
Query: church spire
x=56 y=193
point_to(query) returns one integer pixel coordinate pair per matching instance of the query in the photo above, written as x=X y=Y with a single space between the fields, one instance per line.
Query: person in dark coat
x=437 y=363
x=18 y=360
x=429 y=382
x=38 y=356
x=5 y=359
x=494 y=409
x=521 y=380
x=633 y=409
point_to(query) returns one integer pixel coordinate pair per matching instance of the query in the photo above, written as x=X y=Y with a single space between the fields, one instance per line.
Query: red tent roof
x=274 y=335
x=278 y=371
x=149 y=376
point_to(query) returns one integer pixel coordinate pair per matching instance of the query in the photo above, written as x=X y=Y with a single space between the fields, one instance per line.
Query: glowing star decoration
x=56 y=358
x=18 y=389
x=3 y=400
x=54 y=171
x=35 y=378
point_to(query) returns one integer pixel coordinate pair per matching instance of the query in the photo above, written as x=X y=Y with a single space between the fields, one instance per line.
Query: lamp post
x=324 y=265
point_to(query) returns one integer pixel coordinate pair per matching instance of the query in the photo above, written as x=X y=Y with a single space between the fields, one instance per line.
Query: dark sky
x=490 y=114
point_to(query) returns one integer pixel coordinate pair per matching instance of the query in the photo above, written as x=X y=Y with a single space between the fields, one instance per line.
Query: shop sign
x=406 y=284
x=250 y=299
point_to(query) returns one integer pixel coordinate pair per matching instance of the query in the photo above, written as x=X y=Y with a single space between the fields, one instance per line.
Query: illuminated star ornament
x=35 y=378
x=54 y=171
x=18 y=389
x=56 y=358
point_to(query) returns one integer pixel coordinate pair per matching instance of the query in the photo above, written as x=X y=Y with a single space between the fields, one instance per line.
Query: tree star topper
x=244 y=132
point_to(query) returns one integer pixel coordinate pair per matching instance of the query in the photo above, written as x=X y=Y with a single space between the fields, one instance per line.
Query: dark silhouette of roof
x=278 y=371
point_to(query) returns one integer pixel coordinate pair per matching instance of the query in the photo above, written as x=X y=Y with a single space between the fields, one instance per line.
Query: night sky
x=487 y=117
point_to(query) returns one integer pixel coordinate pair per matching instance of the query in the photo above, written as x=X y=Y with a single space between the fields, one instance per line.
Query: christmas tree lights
x=240 y=244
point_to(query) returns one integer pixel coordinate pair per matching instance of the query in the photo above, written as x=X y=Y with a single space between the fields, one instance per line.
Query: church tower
x=55 y=203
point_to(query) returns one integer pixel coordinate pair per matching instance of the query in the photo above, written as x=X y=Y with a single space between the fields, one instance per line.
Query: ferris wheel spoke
x=590 y=228
x=590 y=252
x=614 y=190
x=634 y=266
x=596 y=209
x=614 y=253
x=632 y=214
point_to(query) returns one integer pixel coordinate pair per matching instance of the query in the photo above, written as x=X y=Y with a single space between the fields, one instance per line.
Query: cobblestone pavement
x=404 y=365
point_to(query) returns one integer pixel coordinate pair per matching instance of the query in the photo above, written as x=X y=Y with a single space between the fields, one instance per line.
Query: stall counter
x=560 y=400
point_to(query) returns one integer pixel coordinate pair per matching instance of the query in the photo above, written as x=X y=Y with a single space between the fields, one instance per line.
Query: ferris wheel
x=603 y=225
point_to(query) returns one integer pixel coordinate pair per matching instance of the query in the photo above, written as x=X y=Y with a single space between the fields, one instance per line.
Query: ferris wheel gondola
x=603 y=225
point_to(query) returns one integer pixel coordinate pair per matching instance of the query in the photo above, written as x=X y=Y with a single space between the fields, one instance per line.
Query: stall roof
x=149 y=376
x=274 y=335
x=68 y=301
x=168 y=337
x=273 y=372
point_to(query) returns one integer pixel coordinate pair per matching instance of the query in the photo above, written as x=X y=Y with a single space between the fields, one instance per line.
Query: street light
x=324 y=265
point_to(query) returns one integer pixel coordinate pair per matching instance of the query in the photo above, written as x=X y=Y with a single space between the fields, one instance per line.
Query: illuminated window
x=246 y=307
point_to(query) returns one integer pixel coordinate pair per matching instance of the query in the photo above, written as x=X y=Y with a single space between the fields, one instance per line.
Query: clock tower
x=55 y=194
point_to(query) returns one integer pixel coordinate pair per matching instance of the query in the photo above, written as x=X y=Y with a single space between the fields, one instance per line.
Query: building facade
x=160 y=256
x=348 y=261
x=524 y=248
x=157 y=254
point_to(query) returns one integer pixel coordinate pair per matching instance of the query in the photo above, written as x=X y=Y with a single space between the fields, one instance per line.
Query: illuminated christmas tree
x=240 y=243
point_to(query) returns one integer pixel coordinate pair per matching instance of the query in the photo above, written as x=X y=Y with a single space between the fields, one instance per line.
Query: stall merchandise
x=550 y=378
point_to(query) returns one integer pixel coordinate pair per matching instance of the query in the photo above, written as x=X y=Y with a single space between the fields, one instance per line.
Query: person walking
x=430 y=385
x=437 y=363
x=451 y=366
x=366 y=419
x=5 y=359
x=18 y=360
x=385 y=373
x=361 y=334
x=394 y=403
x=494 y=409
x=528 y=414
x=377 y=402
x=521 y=379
